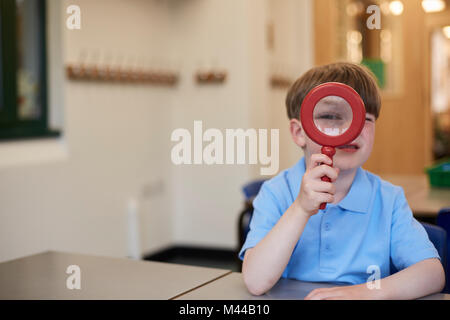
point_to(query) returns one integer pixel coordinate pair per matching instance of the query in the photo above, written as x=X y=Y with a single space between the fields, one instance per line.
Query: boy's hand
x=354 y=292
x=314 y=191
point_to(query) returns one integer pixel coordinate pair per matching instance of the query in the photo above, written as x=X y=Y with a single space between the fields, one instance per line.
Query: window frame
x=11 y=127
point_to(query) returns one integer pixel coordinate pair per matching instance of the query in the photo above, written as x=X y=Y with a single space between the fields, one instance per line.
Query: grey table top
x=43 y=276
x=232 y=287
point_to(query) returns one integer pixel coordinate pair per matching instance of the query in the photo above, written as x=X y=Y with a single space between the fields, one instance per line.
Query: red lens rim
x=332 y=89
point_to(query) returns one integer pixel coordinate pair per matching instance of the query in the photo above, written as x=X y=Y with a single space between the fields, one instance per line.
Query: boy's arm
x=419 y=280
x=265 y=262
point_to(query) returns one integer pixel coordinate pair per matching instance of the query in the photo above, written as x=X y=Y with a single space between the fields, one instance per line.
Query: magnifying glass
x=332 y=115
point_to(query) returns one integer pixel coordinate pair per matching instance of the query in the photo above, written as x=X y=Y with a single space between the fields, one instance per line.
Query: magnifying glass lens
x=332 y=115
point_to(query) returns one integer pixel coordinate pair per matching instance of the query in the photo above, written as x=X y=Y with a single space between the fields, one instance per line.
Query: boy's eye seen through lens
x=329 y=116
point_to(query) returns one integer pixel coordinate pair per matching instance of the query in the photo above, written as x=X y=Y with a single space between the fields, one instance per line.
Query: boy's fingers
x=318 y=158
x=322 y=197
x=324 y=170
x=312 y=294
x=322 y=293
x=316 y=294
x=323 y=186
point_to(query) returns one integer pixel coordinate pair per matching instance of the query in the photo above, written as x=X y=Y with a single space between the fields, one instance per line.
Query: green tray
x=439 y=174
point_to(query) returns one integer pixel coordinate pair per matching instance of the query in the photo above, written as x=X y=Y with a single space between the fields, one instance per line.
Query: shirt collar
x=357 y=198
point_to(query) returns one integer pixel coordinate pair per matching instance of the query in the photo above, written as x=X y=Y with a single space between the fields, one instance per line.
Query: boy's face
x=345 y=158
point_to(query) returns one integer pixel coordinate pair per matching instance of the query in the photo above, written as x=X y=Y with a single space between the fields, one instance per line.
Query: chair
x=443 y=220
x=250 y=191
x=438 y=236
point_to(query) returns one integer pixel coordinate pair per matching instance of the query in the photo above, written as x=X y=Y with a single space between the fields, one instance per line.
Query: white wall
x=116 y=141
x=117 y=137
x=208 y=198
x=292 y=53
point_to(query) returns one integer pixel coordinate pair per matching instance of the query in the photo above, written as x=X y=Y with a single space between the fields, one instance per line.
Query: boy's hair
x=358 y=77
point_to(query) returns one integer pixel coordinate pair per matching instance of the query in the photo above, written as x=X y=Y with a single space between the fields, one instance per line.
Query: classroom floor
x=203 y=257
x=211 y=263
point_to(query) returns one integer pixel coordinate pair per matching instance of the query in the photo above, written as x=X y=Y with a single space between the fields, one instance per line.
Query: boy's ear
x=297 y=132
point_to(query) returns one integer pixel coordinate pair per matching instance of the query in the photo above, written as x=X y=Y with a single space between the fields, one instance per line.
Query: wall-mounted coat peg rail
x=108 y=74
x=281 y=82
x=211 y=77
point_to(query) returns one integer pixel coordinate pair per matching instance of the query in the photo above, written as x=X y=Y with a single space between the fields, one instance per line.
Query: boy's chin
x=346 y=168
x=347 y=164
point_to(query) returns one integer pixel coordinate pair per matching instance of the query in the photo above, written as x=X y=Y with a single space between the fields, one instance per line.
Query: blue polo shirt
x=371 y=225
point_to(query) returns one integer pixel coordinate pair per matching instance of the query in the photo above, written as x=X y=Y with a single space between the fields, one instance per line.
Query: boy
x=366 y=225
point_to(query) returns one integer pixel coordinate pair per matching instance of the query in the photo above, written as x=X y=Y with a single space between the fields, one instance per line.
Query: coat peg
x=118 y=68
x=103 y=70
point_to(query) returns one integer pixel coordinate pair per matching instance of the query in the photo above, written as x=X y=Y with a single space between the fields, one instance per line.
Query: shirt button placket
x=326 y=227
x=326 y=246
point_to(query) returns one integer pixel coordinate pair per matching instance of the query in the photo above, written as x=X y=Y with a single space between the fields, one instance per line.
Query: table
x=43 y=276
x=232 y=287
x=423 y=200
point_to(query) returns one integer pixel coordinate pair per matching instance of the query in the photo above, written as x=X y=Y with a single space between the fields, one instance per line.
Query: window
x=23 y=78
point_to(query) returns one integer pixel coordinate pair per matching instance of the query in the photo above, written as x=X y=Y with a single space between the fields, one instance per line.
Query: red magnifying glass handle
x=329 y=151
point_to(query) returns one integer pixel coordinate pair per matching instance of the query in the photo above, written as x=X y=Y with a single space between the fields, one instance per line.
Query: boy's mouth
x=349 y=148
